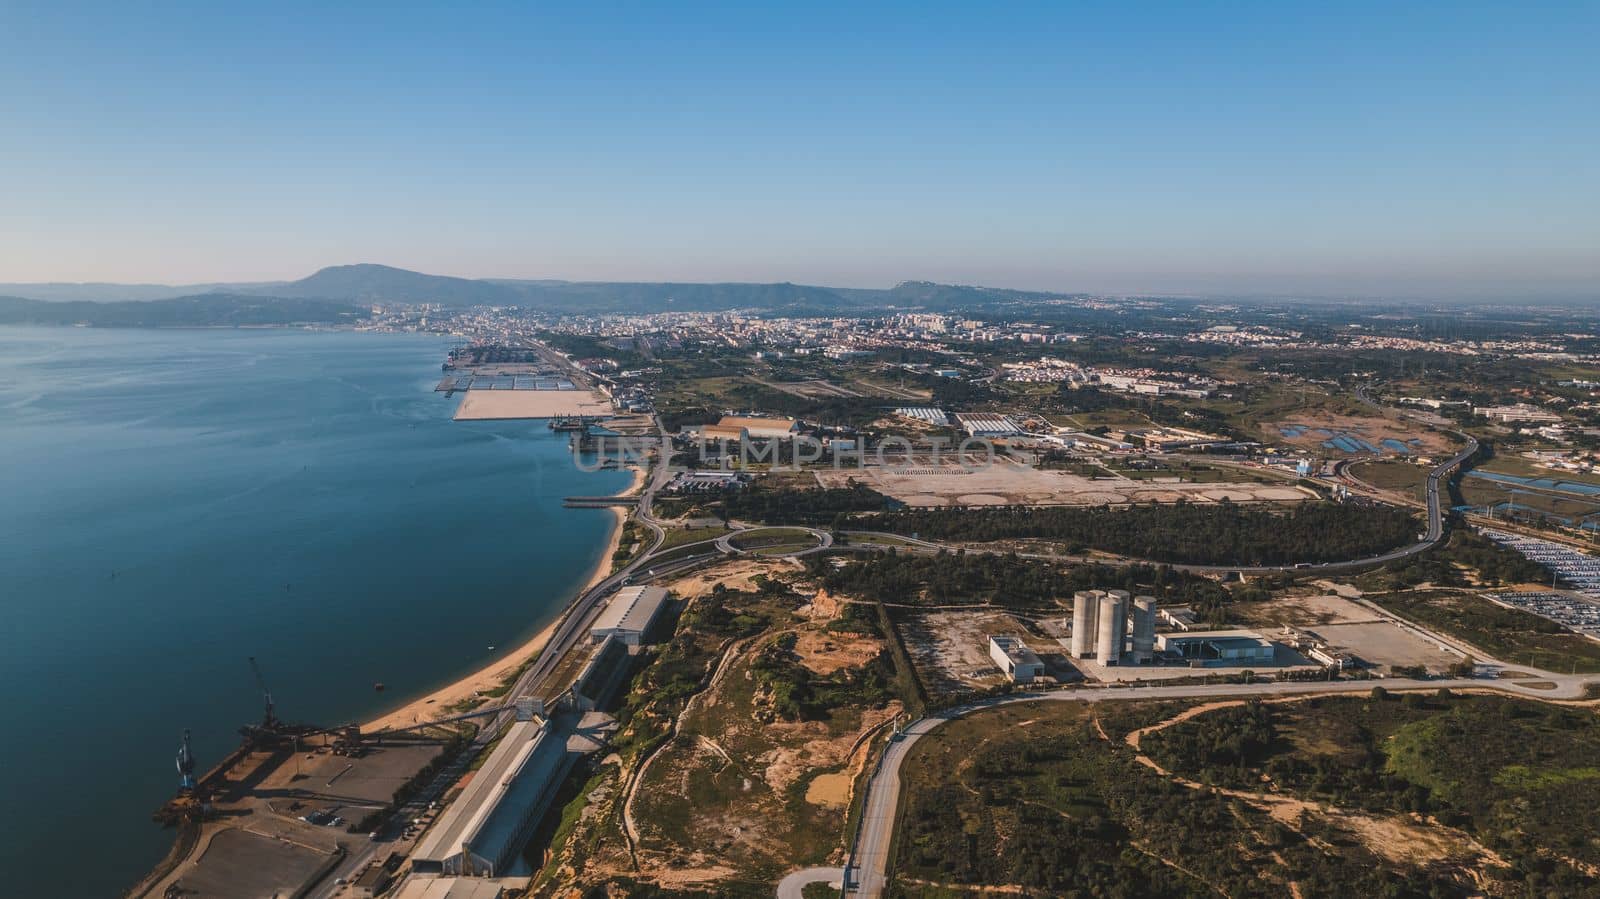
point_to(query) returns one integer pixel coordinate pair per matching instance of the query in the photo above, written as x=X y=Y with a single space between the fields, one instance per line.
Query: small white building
x=1020 y=663
x=629 y=615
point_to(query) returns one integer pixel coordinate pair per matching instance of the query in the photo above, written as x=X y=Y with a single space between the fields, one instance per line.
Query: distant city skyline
x=1182 y=149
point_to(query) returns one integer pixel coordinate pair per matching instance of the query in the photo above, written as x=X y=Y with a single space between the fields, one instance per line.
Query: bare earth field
x=1008 y=483
x=479 y=405
x=1375 y=639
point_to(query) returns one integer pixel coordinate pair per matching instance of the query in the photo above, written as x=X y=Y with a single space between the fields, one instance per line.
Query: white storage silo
x=1144 y=629
x=1085 y=609
x=1112 y=628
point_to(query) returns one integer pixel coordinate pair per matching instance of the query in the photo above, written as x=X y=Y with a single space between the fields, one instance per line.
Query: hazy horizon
x=1362 y=152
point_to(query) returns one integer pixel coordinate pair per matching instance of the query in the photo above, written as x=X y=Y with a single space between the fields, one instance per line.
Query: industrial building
x=1020 y=663
x=1218 y=647
x=450 y=888
x=1181 y=617
x=984 y=424
x=629 y=614
x=480 y=833
x=734 y=427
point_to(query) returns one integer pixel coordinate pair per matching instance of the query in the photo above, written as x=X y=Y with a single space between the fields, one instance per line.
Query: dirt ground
x=1010 y=483
x=951 y=649
x=1384 y=644
x=1372 y=637
x=733 y=575
x=1303 y=611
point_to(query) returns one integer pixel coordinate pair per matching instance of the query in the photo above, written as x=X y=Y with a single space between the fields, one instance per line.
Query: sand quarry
x=1009 y=483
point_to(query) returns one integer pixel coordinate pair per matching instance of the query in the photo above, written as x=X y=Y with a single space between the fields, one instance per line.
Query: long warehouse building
x=483 y=829
x=628 y=615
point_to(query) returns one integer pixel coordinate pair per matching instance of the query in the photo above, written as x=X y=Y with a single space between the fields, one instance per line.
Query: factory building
x=1112 y=627
x=481 y=832
x=735 y=427
x=1219 y=647
x=1019 y=662
x=450 y=888
x=629 y=615
x=1181 y=617
x=984 y=424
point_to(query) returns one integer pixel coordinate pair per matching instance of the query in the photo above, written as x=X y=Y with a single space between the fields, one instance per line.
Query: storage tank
x=1112 y=628
x=1085 y=606
x=1144 y=629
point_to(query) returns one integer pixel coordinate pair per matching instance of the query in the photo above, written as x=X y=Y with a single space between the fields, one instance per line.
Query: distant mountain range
x=343 y=285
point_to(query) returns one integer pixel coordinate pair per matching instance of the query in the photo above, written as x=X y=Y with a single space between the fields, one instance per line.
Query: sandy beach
x=433 y=705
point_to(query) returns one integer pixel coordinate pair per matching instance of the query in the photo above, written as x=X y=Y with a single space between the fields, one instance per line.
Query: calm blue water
x=172 y=502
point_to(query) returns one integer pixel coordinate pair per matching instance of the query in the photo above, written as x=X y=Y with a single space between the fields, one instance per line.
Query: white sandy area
x=510 y=404
x=435 y=704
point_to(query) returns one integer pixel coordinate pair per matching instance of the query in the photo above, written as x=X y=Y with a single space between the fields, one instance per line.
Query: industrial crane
x=269 y=721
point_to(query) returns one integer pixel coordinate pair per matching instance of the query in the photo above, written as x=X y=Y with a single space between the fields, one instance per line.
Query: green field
x=1392 y=475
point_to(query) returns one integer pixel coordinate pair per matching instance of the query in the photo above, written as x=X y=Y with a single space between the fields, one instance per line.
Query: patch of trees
x=1519 y=775
x=1074 y=817
x=1007 y=580
x=1223 y=534
x=797 y=693
x=1495 y=564
x=813 y=506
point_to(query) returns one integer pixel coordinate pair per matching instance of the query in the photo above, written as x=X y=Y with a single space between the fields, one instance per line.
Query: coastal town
x=790 y=551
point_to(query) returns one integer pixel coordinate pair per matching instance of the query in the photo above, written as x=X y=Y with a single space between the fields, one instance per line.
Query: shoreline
x=432 y=704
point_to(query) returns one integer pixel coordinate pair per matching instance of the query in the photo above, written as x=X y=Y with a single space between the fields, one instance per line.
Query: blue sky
x=1441 y=149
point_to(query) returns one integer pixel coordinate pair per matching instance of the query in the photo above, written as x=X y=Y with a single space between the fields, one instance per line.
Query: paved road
x=870 y=855
x=793 y=886
x=824 y=540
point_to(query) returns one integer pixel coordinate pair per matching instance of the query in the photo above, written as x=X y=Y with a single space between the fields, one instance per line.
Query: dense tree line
x=814 y=506
x=1007 y=580
x=1223 y=534
x=1441 y=565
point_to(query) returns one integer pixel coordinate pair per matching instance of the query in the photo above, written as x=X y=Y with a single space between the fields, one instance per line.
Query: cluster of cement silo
x=1113 y=628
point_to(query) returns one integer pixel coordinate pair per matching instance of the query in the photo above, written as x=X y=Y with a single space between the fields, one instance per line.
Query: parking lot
x=1572 y=568
x=1569 y=611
